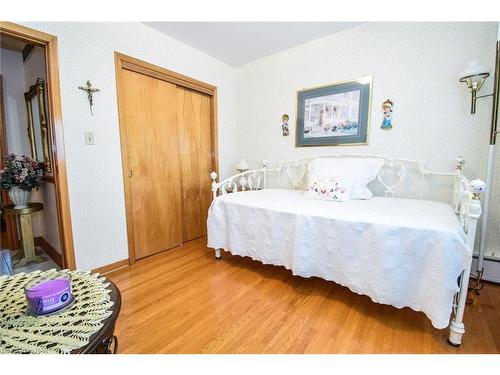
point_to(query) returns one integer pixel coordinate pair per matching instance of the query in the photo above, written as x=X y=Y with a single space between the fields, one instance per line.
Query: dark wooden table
x=104 y=341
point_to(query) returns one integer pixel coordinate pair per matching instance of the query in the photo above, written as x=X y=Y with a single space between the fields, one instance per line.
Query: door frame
x=49 y=43
x=124 y=62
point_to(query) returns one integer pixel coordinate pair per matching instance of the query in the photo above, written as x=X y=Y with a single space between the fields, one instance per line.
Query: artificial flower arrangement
x=20 y=173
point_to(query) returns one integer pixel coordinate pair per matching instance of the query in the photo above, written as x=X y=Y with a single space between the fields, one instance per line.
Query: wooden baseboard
x=112 y=267
x=49 y=250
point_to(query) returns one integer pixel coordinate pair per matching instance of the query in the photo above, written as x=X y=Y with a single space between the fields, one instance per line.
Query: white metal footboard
x=467 y=205
x=465 y=201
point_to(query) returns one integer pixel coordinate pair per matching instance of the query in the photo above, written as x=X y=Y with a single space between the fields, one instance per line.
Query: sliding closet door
x=152 y=140
x=193 y=123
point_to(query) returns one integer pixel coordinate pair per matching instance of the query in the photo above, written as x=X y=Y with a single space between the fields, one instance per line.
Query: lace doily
x=60 y=333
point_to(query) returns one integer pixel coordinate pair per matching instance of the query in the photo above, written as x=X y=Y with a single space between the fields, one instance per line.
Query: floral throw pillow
x=363 y=170
x=330 y=189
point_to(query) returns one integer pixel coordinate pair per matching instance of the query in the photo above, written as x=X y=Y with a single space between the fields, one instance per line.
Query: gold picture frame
x=38 y=130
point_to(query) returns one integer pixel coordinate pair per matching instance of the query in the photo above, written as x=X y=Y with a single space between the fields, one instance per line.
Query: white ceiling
x=238 y=43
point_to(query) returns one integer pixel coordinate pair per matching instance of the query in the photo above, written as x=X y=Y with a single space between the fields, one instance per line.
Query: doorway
x=168 y=137
x=39 y=137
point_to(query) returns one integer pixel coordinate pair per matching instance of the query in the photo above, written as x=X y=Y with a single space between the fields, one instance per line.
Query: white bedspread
x=401 y=252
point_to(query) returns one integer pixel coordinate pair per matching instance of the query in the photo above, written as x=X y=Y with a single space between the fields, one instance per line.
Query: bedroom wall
x=415 y=64
x=86 y=51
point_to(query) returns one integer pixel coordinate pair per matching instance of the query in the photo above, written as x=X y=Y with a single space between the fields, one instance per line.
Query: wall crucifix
x=90 y=92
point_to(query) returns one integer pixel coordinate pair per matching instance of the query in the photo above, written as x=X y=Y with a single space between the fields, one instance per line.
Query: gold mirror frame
x=38 y=91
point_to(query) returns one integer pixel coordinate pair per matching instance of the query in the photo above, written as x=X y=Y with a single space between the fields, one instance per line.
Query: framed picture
x=333 y=115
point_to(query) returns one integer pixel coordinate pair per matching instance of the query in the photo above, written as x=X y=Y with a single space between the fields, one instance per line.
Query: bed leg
x=218 y=254
x=457 y=328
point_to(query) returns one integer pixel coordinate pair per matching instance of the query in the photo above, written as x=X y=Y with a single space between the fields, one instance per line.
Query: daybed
x=398 y=251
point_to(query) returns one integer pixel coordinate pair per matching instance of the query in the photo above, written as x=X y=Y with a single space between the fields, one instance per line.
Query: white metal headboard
x=295 y=173
x=391 y=176
x=296 y=170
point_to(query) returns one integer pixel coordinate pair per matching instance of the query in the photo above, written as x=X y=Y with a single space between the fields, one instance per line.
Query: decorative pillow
x=362 y=170
x=330 y=189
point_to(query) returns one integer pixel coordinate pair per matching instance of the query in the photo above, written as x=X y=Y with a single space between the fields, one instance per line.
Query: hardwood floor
x=184 y=301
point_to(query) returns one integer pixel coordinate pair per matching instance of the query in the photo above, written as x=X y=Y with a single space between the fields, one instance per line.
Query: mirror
x=38 y=131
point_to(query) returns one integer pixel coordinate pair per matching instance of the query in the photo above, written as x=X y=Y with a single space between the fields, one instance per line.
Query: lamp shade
x=243 y=165
x=474 y=68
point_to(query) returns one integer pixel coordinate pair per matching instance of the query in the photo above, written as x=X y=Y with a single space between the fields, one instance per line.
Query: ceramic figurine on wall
x=284 y=125
x=387 y=122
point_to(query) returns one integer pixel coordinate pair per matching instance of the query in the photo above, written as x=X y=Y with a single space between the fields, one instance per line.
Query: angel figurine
x=387 y=122
x=284 y=125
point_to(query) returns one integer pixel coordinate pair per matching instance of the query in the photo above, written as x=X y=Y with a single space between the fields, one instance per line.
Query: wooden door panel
x=153 y=158
x=193 y=121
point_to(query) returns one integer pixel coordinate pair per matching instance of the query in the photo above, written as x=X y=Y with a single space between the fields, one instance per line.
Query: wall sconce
x=474 y=76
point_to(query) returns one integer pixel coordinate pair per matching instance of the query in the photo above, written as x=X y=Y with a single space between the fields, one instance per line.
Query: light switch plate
x=90 y=138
